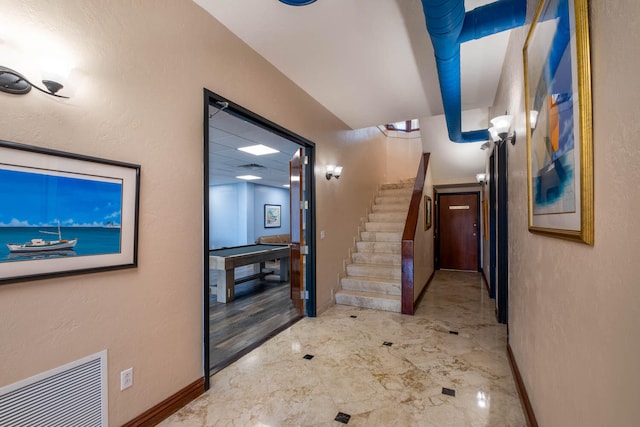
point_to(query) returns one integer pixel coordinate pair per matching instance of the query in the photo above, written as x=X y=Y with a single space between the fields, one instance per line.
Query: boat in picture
x=41 y=245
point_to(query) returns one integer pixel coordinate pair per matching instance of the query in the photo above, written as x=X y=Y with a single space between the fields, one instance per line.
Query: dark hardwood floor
x=261 y=309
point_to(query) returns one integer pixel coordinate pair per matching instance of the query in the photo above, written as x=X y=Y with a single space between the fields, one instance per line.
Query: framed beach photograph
x=64 y=214
x=557 y=77
x=272 y=218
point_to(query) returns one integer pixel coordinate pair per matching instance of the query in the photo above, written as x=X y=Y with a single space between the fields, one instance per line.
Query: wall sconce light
x=333 y=171
x=500 y=129
x=15 y=83
x=533 y=119
x=481 y=177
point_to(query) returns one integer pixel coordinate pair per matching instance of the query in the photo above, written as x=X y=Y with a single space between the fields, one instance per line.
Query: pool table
x=225 y=260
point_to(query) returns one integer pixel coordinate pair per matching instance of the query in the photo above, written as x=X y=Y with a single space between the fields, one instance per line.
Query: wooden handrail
x=408 y=236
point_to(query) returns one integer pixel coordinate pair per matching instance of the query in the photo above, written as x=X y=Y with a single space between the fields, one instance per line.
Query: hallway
x=379 y=368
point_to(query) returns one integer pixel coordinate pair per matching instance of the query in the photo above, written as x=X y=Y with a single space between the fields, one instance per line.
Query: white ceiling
x=370 y=62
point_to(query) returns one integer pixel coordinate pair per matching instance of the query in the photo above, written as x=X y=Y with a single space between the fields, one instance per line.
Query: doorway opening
x=248 y=221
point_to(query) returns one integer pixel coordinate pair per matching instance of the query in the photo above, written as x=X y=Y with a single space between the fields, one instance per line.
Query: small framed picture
x=427 y=213
x=272 y=217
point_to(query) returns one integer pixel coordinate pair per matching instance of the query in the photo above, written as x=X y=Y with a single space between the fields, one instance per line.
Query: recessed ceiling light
x=258 y=150
x=248 y=177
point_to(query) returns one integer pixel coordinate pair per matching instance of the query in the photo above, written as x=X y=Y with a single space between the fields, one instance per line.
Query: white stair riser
x=375 y=236
x=396 y=192
x=391 y=208
x=379 y=247
x=383 y=272
x=403 y=201
x=366 y=302
x=400 y=217
x=373 y=258
x=400 y=185
x=363 y=285
x=384 y=226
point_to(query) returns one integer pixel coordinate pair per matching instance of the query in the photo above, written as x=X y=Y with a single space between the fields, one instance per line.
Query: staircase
x=374 y=275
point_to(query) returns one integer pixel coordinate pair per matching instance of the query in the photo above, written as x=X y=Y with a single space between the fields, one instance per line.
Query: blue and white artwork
x=553 y=140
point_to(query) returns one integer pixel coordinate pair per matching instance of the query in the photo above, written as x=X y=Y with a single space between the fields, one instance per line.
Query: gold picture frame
x=557 y=80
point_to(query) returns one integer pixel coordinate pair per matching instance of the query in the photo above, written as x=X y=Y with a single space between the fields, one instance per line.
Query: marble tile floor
x=445 y=366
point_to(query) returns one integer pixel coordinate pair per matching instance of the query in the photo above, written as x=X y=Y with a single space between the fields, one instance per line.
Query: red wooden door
x=297 y=232
x=458 y=223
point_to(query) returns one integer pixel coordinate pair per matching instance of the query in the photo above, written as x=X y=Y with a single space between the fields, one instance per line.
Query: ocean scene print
x=49 y=214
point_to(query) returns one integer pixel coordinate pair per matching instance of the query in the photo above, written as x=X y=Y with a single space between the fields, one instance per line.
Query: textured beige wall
x=575 y=309
x=341 y=204
x=140 y=70
x=403 y=158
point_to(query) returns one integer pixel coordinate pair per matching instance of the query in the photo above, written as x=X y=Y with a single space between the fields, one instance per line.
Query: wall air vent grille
x=252 y=166
x=73 y=395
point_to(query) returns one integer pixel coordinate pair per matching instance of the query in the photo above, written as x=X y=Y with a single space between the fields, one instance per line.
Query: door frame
x=502 y=223
x=492 y=226
x=212 y=99
x=437 y=221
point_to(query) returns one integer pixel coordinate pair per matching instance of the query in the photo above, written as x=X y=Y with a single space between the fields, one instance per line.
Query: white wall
x=575 y=309
x=454 y=163
x=236 y=213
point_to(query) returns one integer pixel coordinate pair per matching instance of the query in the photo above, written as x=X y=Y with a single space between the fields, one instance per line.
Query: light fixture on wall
x=533 y=119
x=481 y=178
x=333 y=171
x=500 y=129
x=15 y=83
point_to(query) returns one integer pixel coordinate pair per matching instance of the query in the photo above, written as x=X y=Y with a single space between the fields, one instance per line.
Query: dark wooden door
x=297 y=231
x=459 y=237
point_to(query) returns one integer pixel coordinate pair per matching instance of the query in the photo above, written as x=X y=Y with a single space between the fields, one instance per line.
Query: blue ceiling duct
x=449 y=25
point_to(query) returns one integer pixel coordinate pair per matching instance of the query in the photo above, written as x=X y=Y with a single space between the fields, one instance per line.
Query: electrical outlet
x=126 y=379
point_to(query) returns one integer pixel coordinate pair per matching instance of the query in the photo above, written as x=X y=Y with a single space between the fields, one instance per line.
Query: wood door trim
x=296 y=280
x=502 y=195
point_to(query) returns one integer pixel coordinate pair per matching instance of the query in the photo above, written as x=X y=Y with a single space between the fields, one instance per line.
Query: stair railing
x=410 y=236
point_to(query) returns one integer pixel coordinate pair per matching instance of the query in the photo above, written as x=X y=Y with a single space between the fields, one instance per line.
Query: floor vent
x=68 y=396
